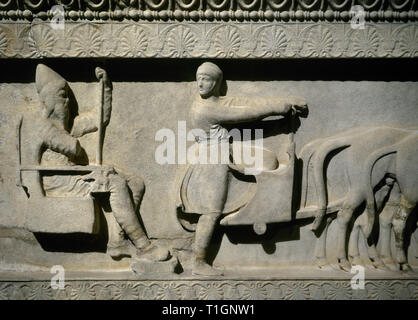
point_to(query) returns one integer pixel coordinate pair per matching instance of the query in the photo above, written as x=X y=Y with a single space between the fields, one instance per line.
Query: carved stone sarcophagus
x=208 y=149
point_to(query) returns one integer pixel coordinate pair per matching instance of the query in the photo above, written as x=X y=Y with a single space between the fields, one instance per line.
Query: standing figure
x=209 y=113
x=51 y=140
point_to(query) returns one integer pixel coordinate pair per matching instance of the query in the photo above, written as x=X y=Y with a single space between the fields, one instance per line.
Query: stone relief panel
x=184 y=149
x=192 y=176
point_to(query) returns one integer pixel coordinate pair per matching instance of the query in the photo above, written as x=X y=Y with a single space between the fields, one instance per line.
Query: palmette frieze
x=208 y=40
x=211 y=289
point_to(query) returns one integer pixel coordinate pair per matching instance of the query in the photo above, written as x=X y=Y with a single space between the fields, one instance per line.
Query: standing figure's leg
x=204 y=231
x=123 y=210
x=213 y=181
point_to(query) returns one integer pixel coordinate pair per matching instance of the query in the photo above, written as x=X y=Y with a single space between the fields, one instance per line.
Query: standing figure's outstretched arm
x=243 y=109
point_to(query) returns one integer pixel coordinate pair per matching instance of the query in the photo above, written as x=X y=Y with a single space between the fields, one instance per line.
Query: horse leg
x=375 y=258
x=320 y=249
x=343 y=218
x=387 y=210
x=385 y=220
x=353 y=248
x=386 y=198
x=399 y=222
x=372 y=251
x=359 y=227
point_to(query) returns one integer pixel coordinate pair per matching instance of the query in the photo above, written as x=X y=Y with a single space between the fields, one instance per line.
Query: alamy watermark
x=58 y=17
x=211 y=148
x=58 y=280
x=358 y=280
x=41 y=40
x=357 y=21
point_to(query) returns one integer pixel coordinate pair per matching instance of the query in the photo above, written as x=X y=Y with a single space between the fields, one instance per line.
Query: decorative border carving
x=212 y=290
x=208 y=40
x=209 y=10
x=209 y=15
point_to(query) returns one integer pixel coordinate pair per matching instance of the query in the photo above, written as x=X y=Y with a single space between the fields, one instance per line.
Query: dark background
x=23 y=70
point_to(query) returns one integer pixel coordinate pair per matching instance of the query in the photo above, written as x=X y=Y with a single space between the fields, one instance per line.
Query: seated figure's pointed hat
x=46 y=77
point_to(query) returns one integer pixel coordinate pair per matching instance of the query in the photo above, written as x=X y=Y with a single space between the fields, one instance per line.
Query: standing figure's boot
x=204 y=231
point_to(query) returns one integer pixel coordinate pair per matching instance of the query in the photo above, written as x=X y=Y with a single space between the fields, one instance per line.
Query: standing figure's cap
x=211 y=69
x=46 y=77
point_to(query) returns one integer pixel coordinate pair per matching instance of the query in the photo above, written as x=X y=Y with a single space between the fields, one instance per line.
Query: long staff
x=99 y=150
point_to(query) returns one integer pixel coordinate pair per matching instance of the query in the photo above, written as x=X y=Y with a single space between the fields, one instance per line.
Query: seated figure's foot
x=119 y=251
x=200 y=267
x=154 y=253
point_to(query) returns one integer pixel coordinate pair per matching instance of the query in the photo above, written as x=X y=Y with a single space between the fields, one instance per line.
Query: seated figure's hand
x=100 y=179
x=102 y=74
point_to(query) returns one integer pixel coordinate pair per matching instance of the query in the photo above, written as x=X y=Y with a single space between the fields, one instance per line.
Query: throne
x=52 y=214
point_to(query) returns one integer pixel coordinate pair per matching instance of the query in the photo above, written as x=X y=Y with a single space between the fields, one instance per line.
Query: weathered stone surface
x=151 y=268
x=370 y=102
x=98 y=171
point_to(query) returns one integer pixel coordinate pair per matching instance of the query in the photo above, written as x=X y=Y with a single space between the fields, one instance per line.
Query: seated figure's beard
x=60 y=117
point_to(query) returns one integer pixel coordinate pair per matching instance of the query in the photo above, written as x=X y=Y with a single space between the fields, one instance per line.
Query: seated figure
x=53 y=142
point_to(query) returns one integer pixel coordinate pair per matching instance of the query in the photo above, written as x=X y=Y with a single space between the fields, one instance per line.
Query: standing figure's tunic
x=204 y=186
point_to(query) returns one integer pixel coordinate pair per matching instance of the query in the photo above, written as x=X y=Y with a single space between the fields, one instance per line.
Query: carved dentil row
x=214 y=40
x=211 y=290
